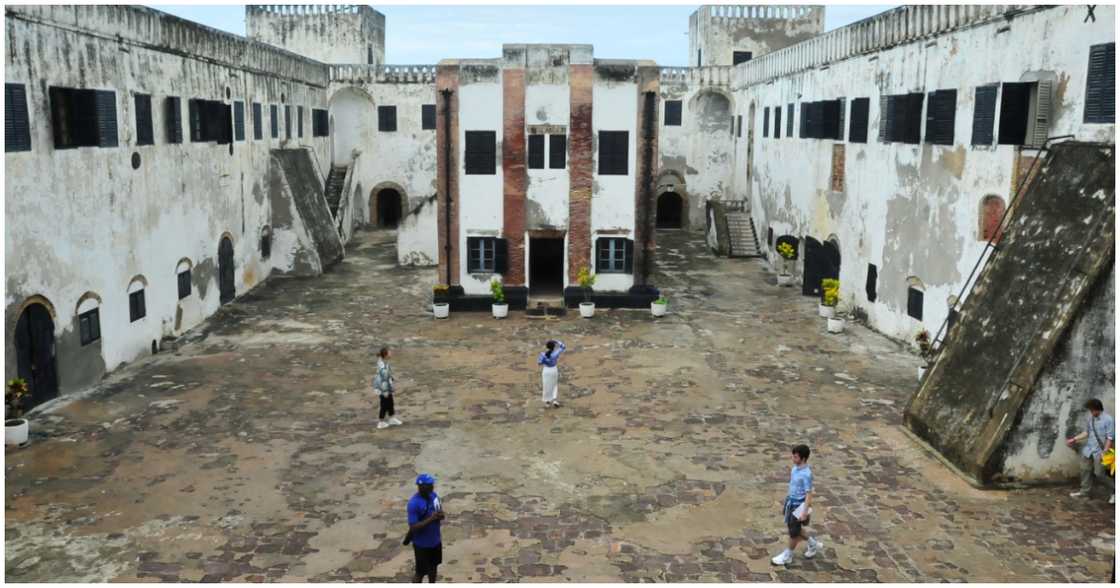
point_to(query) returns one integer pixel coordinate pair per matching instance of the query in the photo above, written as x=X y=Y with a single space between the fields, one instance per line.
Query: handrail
x=344 y=203
x=942 y=332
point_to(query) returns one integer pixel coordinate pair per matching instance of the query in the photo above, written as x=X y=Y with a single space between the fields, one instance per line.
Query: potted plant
x=660 y=306
x=499 y=307
x=836 y=321
x=586 y=281
x=830 y=295
x=925 y=349
x=15 y=426
x=440 y=307
x=788 y=254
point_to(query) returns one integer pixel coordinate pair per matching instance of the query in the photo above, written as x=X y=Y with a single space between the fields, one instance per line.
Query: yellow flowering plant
x=830 y=292
x=786 y=250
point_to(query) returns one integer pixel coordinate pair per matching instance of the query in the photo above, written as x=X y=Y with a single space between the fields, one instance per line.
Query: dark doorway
x=226 y=288
x=822 y=261
x=546 y=266
x=35 y=354
x=669 y=211
x=388 y=208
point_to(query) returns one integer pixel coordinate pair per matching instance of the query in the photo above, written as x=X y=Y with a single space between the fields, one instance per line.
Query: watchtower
x=329 y=33
x=729 y=35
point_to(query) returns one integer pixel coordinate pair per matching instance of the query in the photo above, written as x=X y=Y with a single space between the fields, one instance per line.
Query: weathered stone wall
x=716 y=32
x=328 y=33
x=87 y=221
x=913 y=210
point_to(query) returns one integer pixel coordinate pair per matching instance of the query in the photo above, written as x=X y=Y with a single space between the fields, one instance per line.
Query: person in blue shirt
x=550 y=375
x=424 y=516
x=1099 y=436
x=800 y=493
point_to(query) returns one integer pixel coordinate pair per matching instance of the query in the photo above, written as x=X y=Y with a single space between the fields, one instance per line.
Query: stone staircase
x=333 y=189
x=740 y=229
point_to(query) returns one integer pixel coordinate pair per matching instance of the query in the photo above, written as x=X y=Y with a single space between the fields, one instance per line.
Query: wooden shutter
x=600 y=259
x=195 y=118
x=173 y=119
x=557 y=151
x=884 y=118
x=1040 y=131
x=386 y=118
x=872 y=282
x=804 y=120
x=239 y=121
x=501 y=254
x=911 y=107
x=225 y=118
x=17 y=130
x=628 y=252
x=914 y=302
x=144 y=133
x=427 y=117
x=857 y=131
x=474 y=256
x=777 y=122
x=536 y=151
x=766 y=122
x=287 y=122
x=672 y=113
x=258 y=127
x=984 y=115
x=105 y=104
x=614 y=151
x=299 y=121
x=480 y=152
x=941 y=117
x=275 y=116
x=789 y=120
x=1100 y=84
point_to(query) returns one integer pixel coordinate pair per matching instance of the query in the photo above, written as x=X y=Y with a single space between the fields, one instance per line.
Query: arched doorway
x=35 y=353
x=351 y=115
x=388 y=208
x=822 y=261
x=226 y=288
x=670 y=207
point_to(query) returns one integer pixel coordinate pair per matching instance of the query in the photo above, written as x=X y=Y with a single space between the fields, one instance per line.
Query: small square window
x=614 y=153
x=184 y=284
x=89 y=323
x=915 y=300
x=480 y=153
x=136 y=310
x=672 y=113
x=557 y=151
x=428 y=117
x=387 y=119
x=536 y=151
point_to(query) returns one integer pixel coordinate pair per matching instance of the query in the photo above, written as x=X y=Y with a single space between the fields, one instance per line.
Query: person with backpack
x=424 y=515
x=383 y=383
x=1099 y=436
x=550 y=374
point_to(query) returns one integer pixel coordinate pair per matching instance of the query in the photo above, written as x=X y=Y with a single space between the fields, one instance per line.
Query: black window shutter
x=857 y=133
x=239 y=121
x=536 y=151
x=387 y=118
x=816 y=120
x=601 y=259
x=984 y=115
x=777 y=122
x=225 y=117
x=766 y=122
x=173 y=119
x=941 y=117
x=105 y=102
x=480 y=152
x=557 y=151
x=672 y=113
x=885 y=111
x=287 y=121
x=195 y=119
x=841 y=107
x=914 y=302
x=614 y=151
x=872 y=282
x=789 y=120
x=258 y=127
x=501 y=254
x=804 y=120
x=628 y=250
x=299 y=121
x=914 y=117
x=1100 y=85
x=275 y=116
x=17 y=130
x=144 y=134
x=427 y=117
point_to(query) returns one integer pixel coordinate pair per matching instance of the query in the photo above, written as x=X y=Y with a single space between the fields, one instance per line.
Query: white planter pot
x=587 y=309
x=15 y=431
x=500 y=310
x=922 y=372
x=441 y=310
x=826 y=311
x=835 y=325
x=658 y=309
x=784 y=279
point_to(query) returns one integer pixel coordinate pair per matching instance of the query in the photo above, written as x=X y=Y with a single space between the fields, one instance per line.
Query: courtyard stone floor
x=247 y=451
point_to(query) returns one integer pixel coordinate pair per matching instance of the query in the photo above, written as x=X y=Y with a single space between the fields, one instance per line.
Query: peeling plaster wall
x=327 y=33
x=1082 y=367
x=417 y=242
x=718 y=31
x=913 y=210
x=615 y=96
x=83 y=220
x=480 y=212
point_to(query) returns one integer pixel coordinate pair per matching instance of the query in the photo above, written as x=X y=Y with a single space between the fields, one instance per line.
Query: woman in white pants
x=550 y=375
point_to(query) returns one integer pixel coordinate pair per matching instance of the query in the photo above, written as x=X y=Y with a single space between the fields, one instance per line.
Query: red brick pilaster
x=649 y=80
x=580 y=170
x=514 y=179
x=447 y=78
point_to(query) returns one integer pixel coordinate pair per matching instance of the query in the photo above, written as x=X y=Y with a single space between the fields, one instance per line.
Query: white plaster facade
x=330 y=33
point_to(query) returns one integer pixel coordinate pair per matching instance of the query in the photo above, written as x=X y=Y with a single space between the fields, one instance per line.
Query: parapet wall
x=329 y=33
x=383 y=74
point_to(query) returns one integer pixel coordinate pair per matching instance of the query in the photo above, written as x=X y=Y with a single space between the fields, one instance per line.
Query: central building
x=546 y=161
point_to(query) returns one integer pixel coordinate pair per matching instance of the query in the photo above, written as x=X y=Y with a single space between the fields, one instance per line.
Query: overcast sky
x=426 y=34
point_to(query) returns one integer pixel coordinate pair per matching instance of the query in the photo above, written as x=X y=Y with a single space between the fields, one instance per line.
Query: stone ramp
x=1058 y=243
x=305 y=235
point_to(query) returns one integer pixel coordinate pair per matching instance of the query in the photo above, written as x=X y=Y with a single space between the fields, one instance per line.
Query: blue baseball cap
x=425 y=479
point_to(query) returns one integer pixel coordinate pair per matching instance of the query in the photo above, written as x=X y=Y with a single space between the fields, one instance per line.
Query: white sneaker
x=782 y=558
x=555 y=404
x=382 y=425
x=395 y=421
x=1079 y=494
x=814 y=547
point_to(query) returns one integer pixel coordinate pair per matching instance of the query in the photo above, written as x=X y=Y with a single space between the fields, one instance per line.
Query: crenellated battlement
x=307 y=9
x=393 y=74
x=762 y=12
x=712 y=75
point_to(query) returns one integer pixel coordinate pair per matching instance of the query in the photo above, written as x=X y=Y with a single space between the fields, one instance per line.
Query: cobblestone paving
x=248 y=452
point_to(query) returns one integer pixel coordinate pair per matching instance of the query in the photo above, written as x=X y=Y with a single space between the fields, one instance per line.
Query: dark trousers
x=386 y=407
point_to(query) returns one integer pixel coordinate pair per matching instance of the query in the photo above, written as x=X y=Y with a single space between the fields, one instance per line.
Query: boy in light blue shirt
x=800 y=494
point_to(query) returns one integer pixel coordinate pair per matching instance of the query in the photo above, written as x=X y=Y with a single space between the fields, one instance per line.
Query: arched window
x=992 y=208
x=915 y=297
x=266 y=242
x=183 y=275
x=137 y=309
x=89 y=317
